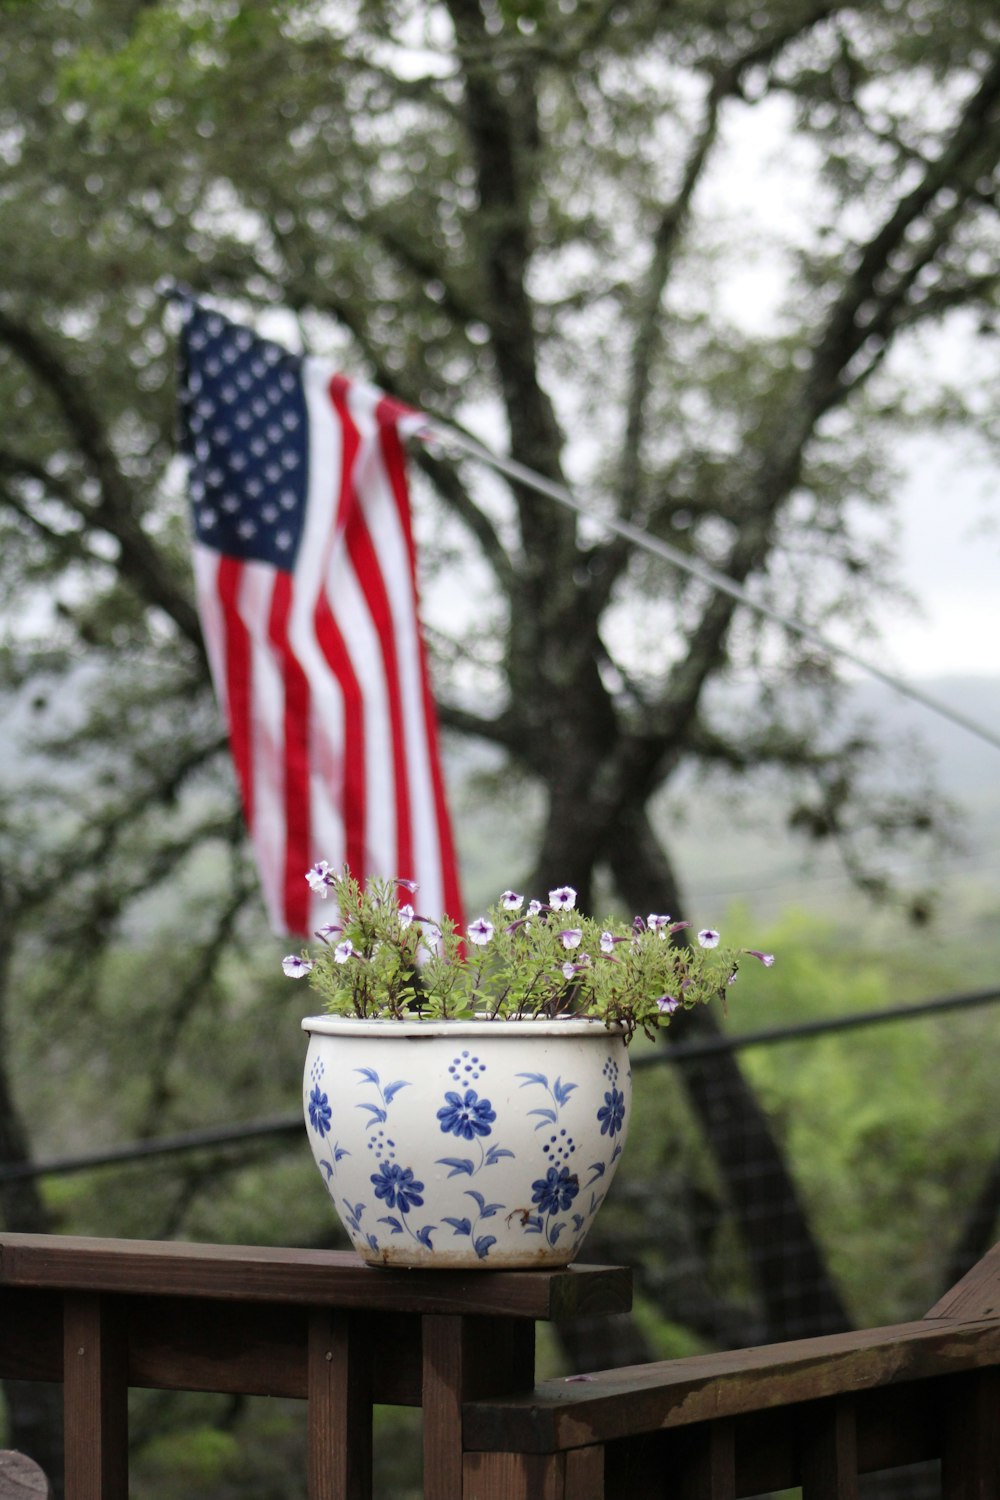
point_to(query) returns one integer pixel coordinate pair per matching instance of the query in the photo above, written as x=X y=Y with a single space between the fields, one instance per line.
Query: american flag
x=305 y=573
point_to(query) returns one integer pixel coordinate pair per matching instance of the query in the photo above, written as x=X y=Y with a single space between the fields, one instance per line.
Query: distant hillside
x=740 y=850
x=748 y=855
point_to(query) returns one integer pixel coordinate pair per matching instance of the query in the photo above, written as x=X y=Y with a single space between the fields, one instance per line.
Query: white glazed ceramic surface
x=481 y=1143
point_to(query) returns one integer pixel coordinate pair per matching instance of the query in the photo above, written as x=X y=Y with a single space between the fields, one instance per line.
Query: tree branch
x=140 y=562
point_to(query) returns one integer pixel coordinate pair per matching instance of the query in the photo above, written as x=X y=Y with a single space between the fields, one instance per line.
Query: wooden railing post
x=710 y=1470
x=465 y=1359
x=339 y=1395
x=95 y=1380
x=576 y=1475
x=829 y=1451
x=970 y=1457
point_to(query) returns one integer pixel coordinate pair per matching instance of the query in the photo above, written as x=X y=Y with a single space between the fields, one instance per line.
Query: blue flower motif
x=320 y=1113
x=556 y=1190
x=396 y=1186
x=466 y=1117
x=612 y=1113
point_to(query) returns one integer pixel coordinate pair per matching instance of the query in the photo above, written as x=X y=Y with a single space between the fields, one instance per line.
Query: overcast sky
x=950 y=558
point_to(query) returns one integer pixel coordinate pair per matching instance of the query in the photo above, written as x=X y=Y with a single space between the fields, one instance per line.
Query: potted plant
x=467 y=1095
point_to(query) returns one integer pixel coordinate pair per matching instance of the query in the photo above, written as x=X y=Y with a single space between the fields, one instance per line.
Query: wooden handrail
x=253 y=1273
x=612 y=1404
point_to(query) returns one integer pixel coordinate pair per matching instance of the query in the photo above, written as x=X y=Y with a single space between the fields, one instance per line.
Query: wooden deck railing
x=101 y=1315
x=816 y=1413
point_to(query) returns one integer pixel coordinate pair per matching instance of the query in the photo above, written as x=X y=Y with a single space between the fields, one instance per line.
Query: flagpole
x=704 y=572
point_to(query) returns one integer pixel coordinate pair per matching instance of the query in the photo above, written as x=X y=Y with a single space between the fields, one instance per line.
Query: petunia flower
x=320 y=878
x=563 y=898
x=767 y=959
x=570 y=937
x=708 y=937
x=667 y=1004
x=534 y=907
x=405 y=916
x=511 y=901
x=480 y=931
x=657 y=924
x=295 y=967
x=343 y=951
x=569 y=969
x=328 y=930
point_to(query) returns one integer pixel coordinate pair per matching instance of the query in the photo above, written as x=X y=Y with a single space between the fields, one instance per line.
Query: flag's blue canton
x=245 y=430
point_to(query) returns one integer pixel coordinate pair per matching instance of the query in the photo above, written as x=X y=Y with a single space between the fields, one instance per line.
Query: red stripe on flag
x=295 y=767
x=237 y=653
x=354 y=794
x=369 y=576
x=395 y=464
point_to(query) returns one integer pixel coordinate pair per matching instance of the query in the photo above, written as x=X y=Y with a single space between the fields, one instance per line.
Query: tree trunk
x=797 y=1294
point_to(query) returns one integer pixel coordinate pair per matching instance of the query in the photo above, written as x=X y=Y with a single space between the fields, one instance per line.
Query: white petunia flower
x=563 y=898
x=708 y=937
x=295 y=967
x=320 y=878
x=343 y=951
x=480 y=931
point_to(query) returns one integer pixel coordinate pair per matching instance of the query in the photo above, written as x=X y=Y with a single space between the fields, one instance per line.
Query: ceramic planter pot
x=458 y=1144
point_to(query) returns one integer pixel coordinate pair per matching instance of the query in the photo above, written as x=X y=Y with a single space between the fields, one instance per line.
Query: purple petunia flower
x=343 y=951
x=767 y=959
x=570 y=937
x=480 y=931
x=708 y=937
x=657 y=924
x=563 y=898
x=667 y=1004
x=511 y=901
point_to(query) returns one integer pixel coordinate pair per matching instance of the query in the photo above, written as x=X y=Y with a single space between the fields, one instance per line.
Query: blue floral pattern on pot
x=320 y=1115
x=545 y=1140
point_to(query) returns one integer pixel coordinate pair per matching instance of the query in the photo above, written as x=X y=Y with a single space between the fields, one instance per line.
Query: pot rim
x=386 y=1026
